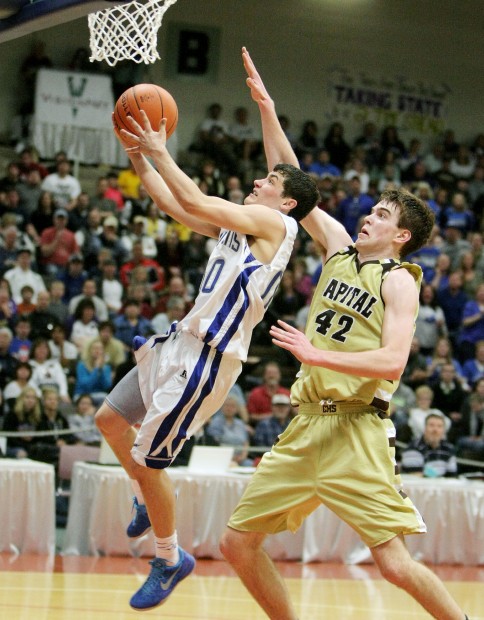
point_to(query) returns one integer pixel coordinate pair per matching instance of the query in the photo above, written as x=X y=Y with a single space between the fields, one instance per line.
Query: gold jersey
x=346 y=315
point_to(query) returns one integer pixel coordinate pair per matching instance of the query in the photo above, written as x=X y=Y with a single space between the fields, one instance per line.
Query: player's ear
x=403 y=236
x=288 y=204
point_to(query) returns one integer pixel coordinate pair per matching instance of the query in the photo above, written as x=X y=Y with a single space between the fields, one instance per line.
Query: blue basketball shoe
x=140 y=523
x=162 y=581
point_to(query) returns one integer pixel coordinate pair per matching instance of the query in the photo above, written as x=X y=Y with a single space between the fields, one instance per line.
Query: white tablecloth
x=27 y=513
x=101 y=497
x=452 y=509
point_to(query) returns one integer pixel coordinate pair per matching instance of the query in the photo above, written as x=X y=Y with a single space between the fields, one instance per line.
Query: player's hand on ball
x=145 y=139
x=125 y=139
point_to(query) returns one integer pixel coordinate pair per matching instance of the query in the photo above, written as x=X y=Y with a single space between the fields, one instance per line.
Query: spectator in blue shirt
x=452 y=300
x=93 y=375
x=21 y=343
x=473 y=369
x=73 y=278
x=131 y=324
x=355 y=206
x=230 y=430
x=267 y=431
x=323 y=165
x=472 y=325
x=458 y=215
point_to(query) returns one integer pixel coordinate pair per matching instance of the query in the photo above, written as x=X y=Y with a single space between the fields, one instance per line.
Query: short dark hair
x=300 y=186
x=106 y=324
x=436 y=416
x=84 y=303
x=415 y=215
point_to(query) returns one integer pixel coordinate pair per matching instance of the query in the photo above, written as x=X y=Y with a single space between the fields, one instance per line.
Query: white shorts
x=183 y=382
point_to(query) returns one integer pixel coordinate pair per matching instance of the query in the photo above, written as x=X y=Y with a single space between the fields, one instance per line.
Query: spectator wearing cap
x=22 y=274
x=267 y=431
x=73 y=278
x=110 y=239
x=65 y=188
x=57 y=245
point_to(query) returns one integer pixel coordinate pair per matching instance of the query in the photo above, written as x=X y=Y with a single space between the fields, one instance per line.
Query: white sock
x=137 y=491
x=167 y=549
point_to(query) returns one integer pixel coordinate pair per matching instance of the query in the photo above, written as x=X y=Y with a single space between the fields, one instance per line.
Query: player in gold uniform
x=339 y=449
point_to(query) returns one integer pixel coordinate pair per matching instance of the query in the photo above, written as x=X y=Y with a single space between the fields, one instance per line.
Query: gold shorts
x=343 y=458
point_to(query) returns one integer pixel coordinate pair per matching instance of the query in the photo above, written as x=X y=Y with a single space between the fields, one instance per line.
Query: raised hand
x=254 y=81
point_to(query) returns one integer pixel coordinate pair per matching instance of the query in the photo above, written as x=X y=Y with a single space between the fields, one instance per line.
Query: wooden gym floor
x=88 y=588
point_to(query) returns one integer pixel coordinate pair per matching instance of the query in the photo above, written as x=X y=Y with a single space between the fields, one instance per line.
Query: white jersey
x=185 y=375
x=236 y=291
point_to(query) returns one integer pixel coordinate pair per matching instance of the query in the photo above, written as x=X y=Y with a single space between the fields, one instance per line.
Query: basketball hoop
x=127 y=32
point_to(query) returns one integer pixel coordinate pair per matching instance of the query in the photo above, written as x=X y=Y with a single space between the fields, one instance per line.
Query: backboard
x=22 y=17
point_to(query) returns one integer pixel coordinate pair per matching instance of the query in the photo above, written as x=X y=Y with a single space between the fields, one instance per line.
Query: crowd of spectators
x=82 y=273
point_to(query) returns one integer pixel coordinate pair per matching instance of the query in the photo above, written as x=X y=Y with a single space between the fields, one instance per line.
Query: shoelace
x=153 y=579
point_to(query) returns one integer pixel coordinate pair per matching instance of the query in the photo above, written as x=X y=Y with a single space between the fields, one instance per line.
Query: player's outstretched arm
x=255 y=220
x=276 y=145
x=161 y=195
x=327 y=231
x=323 y=228
x=164 y=200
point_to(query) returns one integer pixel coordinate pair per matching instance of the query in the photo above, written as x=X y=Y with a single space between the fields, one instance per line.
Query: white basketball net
x=127 y=32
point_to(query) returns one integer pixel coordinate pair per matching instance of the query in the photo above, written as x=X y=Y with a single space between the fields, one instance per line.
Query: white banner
x=416 y=107
x=73 y=98
x=73 y=113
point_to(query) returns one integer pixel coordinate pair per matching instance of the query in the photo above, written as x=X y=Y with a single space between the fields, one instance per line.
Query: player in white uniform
x=186 y=377
x=183 y=377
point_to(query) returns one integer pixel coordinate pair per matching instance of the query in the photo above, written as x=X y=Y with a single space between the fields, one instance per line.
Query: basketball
x=154 y=100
